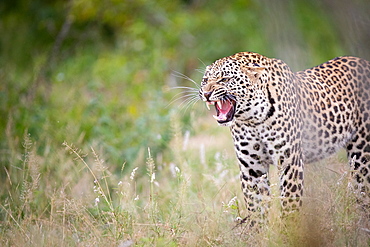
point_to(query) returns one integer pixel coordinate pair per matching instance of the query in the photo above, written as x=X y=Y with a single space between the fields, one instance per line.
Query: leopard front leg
x=255 y=156
x=291 y=183
x=254 y=166
x=286 y=154
x=256 y=190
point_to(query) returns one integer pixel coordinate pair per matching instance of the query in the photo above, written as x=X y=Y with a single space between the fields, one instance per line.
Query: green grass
x=193 y=200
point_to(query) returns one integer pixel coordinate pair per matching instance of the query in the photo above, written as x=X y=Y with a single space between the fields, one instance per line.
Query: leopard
x=287 y=119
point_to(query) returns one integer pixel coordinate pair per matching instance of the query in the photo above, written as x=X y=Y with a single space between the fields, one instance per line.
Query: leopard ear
x=253 y=71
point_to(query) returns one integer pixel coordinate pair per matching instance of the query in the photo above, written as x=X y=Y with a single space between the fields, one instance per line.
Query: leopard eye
x=223 y=80
x=204 y=81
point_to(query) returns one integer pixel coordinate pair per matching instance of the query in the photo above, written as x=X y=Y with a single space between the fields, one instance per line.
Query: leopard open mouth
x=225 y=109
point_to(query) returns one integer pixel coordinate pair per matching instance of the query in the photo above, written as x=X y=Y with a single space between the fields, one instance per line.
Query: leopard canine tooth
x=207 y=105
x=215 y=117
x=219 y=104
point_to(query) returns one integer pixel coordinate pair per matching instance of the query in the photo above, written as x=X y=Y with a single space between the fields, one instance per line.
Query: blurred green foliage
x=98 y=72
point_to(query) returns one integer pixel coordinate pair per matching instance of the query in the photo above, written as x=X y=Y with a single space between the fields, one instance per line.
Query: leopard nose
x=207 y=95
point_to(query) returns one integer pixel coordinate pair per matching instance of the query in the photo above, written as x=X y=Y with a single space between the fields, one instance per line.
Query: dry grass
x=191 y=201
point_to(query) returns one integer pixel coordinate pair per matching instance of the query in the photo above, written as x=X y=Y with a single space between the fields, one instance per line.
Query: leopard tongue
x=223 y=107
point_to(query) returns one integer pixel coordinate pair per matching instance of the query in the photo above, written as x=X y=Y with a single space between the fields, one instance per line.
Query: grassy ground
x=193 y=200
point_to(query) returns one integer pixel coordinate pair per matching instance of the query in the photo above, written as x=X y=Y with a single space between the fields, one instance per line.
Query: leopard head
x=236 y=86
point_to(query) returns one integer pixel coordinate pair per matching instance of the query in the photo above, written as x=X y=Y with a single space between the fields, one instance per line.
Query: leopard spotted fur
x=278 y=117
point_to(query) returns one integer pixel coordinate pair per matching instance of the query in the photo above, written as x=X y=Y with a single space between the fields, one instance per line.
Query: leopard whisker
x=180 y=75
x=202 y=71
x=200 y=60
x=191 y=95
x=184 y=92
x=190 y=102
x=187 y=96
x=190 y=89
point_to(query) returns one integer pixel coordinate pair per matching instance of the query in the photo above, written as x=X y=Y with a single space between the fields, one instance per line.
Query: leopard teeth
x=219 y=104
x=207 y=105
x=215 y=117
